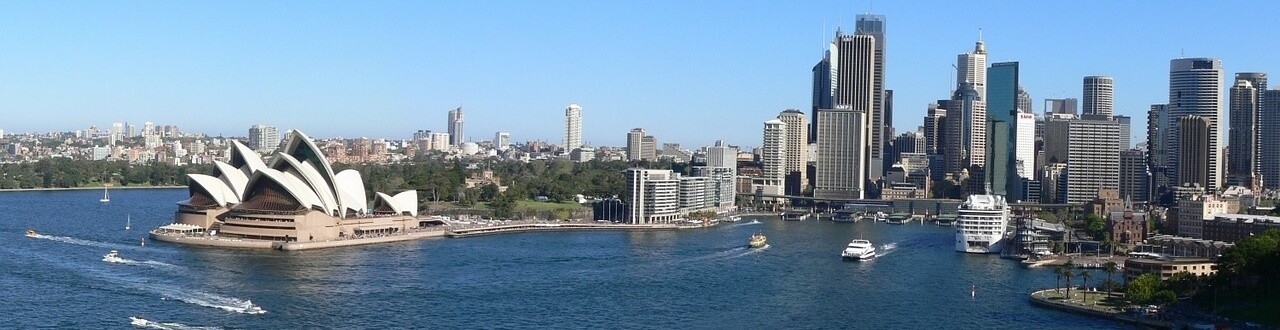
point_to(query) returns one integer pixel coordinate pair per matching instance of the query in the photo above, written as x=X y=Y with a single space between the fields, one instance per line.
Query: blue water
x=702 y=278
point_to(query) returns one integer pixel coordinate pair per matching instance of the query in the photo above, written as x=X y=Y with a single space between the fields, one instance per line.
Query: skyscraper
x=933 y=129
x=879 y=121
x=1157 y=148
x=1025 y=145
x=635 y=144
x=1269 y=139
x=971 y=68
x=1059 y=106
x=1024 y=101
x=501 y=140
x=843 y=132
x=797 y=150
x=1193 y=153
x=1134 y=179
x=1098 y=95
x=1126 y=130
x=773 y=157
x=1002 y=109
x=824 y=89
x=572 y=127
x=1242 y=134
x=1092 y=160
x=966 y=132
x=263 y=138
x=1195 y=89
x=455 y=127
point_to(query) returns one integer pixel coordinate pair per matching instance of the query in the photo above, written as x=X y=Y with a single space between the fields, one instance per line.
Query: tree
x=1057 y=272
x=1141 y=290
x=1110 y=267
x=1068 y=273
x=1084 y=280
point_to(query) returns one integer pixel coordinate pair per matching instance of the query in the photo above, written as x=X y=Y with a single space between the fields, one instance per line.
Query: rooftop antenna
x=979 y=34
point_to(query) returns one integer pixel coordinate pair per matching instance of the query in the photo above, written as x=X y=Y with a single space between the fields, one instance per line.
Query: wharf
x=529 y=227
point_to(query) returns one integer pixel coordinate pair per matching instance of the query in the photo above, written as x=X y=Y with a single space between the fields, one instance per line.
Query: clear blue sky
x=687 y=71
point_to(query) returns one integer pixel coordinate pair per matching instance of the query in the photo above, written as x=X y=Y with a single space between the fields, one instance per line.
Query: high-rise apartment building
x=572 y=127
x=635 y=141
x=263 y=138
x=456 y=136
x=652 y=196
x=797 y=150
x=1099 y=95
x=1195 y=89
x=773 y=157
x=501 y=140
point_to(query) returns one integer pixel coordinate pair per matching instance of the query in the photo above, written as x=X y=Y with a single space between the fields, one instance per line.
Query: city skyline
x=633 y=66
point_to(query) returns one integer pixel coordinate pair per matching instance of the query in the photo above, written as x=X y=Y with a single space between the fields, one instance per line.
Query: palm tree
x=1068 y=273
x=1084 y=277
x=1110 y=267
x=1057 y=284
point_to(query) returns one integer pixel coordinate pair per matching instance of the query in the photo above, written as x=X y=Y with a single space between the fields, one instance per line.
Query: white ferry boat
x=859 y=249
x=981 y=224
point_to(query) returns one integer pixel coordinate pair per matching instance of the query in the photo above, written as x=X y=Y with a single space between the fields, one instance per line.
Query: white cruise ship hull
x=979 y=244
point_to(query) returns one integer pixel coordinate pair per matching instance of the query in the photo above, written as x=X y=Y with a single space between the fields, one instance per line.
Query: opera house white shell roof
x=300 y=173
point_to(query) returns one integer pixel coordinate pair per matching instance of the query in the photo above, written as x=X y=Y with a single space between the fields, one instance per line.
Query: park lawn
x=547 y=206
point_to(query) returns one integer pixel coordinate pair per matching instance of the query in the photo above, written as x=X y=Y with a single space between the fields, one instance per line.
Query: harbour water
x=702 y=278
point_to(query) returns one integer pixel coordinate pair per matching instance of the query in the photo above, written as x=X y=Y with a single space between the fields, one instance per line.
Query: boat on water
x=757 y=241
x=31 y=233
x=734 y=219
x=138 y=322
x=106 y=196
x=859 y=249
x=981 y=223
x=113 y=257
x=795 y=215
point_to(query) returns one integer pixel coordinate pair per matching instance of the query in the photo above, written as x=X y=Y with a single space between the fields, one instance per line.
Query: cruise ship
x=981 y=224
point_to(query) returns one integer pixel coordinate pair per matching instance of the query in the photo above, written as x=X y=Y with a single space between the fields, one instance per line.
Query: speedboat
x=757 y=241
x=113 y=257
x=250 y=308
x=31 y=233
x=859 y=249
x=138 y=321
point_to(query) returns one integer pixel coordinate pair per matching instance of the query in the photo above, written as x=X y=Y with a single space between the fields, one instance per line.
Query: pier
x=567 y=226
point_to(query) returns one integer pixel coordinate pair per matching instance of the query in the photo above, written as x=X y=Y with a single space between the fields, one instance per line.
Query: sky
x=689 y=72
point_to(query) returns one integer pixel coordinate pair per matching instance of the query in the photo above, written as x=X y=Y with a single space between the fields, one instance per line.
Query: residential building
x=652 y=196
x=456 y=137
x=263 y=138
x=1269 y=139
x=572 y=127
x=797 y=151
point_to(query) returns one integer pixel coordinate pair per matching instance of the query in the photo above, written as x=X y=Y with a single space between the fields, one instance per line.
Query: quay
x=1054 y=299
x=570 y=226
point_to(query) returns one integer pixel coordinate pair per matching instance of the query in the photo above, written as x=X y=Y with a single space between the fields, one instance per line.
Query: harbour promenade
x=558 y=226
x=1097 y=304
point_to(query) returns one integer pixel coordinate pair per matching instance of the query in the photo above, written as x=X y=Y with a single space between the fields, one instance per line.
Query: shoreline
x=91 y=188
x=1040 y=299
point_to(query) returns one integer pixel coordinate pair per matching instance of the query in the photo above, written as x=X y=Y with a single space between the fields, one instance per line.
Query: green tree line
x=72 y=173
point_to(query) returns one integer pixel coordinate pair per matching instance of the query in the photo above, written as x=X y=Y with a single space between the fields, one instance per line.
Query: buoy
x=144 y=241
x=973 y=292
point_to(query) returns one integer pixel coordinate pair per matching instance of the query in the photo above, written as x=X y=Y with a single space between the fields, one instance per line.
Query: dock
x=531 y=227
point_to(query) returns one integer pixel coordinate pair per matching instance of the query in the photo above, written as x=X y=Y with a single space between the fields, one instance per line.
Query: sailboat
x=106 y=196
x=127 y=220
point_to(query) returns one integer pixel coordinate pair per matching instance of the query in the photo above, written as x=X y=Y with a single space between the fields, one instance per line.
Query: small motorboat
x=757 y=241
x=31 y=233
x=113 y=257
x=138 y=321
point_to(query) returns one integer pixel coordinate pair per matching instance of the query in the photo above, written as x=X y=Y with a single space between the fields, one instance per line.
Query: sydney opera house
x=292 y=198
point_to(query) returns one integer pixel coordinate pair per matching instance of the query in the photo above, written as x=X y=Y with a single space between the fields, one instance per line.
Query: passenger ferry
x=981 y=224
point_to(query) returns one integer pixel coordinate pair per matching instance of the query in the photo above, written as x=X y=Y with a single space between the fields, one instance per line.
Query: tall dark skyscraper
x=843 y=131
x=1269 y=139
x=1244 y=107
x=823 y=89
x=1002 y=107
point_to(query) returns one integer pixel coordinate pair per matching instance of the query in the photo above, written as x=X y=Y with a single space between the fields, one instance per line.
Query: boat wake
x=887 y=249
x=750 y=252
x=718 y=255
x=148 y=263
x=753 y=222
x=230 y=304
x=83 y=242
x=139 y=322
